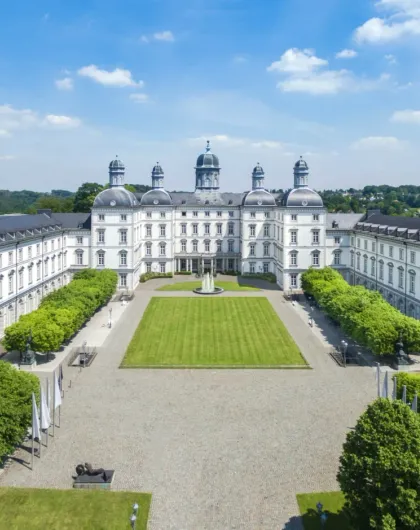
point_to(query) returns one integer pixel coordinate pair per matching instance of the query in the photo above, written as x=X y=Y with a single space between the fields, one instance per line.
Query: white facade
x=251 y=232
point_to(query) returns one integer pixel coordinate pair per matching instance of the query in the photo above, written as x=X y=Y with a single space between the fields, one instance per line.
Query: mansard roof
x=202 y=198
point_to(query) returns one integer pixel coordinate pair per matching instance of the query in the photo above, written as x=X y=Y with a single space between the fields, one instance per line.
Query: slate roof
x=203 y=198
x=299 y=197
x=14 y=223
x=394 y=220
x=115 y=197
x=73 y=220
x=345 y=221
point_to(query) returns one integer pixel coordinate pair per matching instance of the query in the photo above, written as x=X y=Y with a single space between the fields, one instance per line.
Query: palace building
x=206 y=230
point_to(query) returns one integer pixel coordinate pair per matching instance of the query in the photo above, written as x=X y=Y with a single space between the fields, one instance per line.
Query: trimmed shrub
x=267 y=276
x=183 y=273
x=363 y=314
x=62 y=312
x=16 y=389
x=151 y=275
x=411 y=381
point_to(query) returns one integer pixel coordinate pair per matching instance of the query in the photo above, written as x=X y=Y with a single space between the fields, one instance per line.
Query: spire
x=157 y=176
x=258 y=177
x=116 y=173
x=207 y=171
x=301 y=172
x=208 y=148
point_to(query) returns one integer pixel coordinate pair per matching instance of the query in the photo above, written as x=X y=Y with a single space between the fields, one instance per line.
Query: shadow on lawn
x=311 y=521
x=256 y=282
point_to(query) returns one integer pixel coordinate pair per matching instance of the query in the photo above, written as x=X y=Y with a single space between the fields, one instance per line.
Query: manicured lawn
x=39 y=509
x=203 y=332
x=333 y=502
x=189 y=286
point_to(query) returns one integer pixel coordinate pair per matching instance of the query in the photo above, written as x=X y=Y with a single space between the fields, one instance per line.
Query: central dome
x=207 y=159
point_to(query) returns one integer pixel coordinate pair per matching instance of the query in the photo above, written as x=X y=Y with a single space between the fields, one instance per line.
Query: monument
x=28 y=356
x=402 y=360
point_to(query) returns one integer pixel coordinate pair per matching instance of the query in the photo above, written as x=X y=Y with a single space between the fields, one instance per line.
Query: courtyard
x=217 y=449
x=211 y=332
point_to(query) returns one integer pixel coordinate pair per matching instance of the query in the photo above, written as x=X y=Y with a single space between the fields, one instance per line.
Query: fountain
x=207 y=285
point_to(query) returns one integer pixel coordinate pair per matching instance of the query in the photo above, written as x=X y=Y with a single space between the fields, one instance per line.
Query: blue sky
x=151 y=80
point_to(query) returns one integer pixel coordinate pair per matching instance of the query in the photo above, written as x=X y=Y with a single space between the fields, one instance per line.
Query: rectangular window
x=252 y=250
x=373 y=246
x=252 y=267
x=412 y=283
x=294 y=217
x=219 y=229
x=219 y=214
x=337 y=240
x=293 y=237
x=315 y=217
x=101 y=217
x=45 y=268
x=123 y=280
x=352 y=259
x=231 y=214
x=101 y=259
x=183 y=228
x=79 y=258
x=401 y=278
x=267 y=215
x=52 y=244
x=195 y=229
x=162 y=267
x=401 y=254
x=29 y=254
x=38 y=271
x=148 y=267
x=390 y=274
x=65 y=259
x=207 y=229
x=230 y=264
x=30 y=275
x=148 y=230
x=293 y=259
x=230 y=246
x=46 y=246
x=183 y=246
x=219 y=246
x=162 y=230
x=251 y=230
x=365 y=243
x=358 y=263
x=101 y=236
x=20 y=279
x=365 y=264
x=207 y=246
x=315 y=259
x=195 y=246
x=53 y=265
x=315 y=237
x=381 y=270
x=162 y=215
x=207 y=214
x=252 y=215
x=266 y=267
x=10 y=258
x=162 y=250
x=123 y=259
x=391 y=252
x=38 y=249
x=372 y=267
x=412 y=257
x=293 y=281
x=195 y=214
x=337 y=256
x=123 y=237
x=20 y=258
x=358 y=242
x=183 y=214
x=266 y=230
x=149 y=215
x=10 y=283
x=79 y=240
x=266 y=250
x=352 y=241
x=123 y=217
x=230 y=229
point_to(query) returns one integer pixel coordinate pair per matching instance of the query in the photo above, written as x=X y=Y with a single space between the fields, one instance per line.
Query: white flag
x=414 y=404
x=404 y=394
x=45 y=413
x=57 y=392
x=35 y=419
x=385 y=386
x=394 y=387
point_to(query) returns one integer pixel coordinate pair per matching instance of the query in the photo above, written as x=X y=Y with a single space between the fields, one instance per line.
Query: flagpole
x=53 y=423
x=40 y=420
x=378 y=376
x=33 y=437
x=48 y=404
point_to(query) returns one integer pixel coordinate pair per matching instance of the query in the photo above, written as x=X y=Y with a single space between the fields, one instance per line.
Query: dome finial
x=208 y=146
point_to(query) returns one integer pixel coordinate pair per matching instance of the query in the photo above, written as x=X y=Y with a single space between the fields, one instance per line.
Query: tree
x=55 y=204
x=379 y=470
x=16 y=389
x=85 y=195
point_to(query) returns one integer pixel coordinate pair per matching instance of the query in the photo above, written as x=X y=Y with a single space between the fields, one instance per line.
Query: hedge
x=363 y=314
x=16 y=389
x=150 y=275
x=62 y=312
x=183 y=273
x=411 y=381
x=267 y=276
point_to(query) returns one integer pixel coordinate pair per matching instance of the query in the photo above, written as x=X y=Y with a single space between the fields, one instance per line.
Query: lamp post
x=322 y=515
x=133 y=516
x=344 y=346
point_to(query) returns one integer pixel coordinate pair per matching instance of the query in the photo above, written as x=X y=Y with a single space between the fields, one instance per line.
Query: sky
x=335 y=81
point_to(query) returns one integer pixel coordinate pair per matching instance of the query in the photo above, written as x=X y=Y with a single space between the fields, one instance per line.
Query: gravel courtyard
x=218 y=449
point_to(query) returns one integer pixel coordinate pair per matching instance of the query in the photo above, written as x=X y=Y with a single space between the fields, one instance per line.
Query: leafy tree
x=85 y=195
x=16 y=389
x=16 y=336
x=55 y=204
x=379 y=471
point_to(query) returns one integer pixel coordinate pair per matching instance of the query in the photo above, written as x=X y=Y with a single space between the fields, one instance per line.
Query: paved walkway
x=219 y=449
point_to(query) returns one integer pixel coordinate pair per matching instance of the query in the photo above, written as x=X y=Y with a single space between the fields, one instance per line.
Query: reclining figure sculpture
x=88 y=470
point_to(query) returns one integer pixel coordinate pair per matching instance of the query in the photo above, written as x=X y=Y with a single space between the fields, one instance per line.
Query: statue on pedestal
x=402 y=359
x=28 y=356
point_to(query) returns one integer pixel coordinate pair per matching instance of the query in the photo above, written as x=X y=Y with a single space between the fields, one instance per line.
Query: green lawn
x=189 y=286
x=204 y=332
x=41 y=509
x=333 y=502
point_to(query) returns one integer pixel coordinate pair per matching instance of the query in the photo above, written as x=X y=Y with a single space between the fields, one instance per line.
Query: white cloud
x=4 y=133
x=117 y=78
x=144 y=39
x=346 y=54
x=406 y=116
x=164 y=36
x=11 y=118
x=304 y=73
x=403 y=20
x=139 y=98
x=390 y=58
x=233 y=141
x=378 y=143
x=64 y=84
x=239 y=59
x=7 y=157
x=62 y=121
x=223 y=139
x=297 y=61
